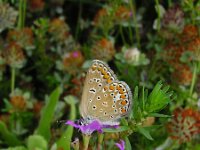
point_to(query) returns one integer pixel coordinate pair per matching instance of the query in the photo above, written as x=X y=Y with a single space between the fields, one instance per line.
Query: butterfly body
x=104 y=98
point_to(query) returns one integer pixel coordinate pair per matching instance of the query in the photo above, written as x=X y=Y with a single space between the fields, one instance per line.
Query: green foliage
x=65 y=140
x=148 y=104
x=36 y=142
x=145 y=132
x=47 y=114
x=17 y=148
x=158 y=98
x=8 y=136
x=128 y=144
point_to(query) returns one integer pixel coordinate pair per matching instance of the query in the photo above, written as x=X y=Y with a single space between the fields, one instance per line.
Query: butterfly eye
x=98 y=98
x=100 y=85
x=94 y=107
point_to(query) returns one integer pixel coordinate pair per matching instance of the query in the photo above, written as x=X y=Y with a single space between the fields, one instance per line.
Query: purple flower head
x=121 y=145
x=75 y=54
x=95 y=125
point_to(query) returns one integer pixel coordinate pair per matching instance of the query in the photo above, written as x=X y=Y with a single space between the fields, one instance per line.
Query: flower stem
x=22 y=14
x=135 y=22
x=78 y=21
x=122 y=35
x=193 y=78
x=12 y=79
x=158 y=12
x=86 y=140
x=100 y=140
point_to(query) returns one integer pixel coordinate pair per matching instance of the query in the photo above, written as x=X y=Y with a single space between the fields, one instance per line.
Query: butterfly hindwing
x=111 y=103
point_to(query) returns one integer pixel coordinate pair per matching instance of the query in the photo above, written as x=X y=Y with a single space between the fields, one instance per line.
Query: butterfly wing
x=112 y=102
x=98 y=75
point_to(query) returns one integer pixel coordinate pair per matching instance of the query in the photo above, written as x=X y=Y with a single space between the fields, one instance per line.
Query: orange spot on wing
x=118 y=88
x=111 y=87
x=121 y=91
x=122 y=96
x=106 y=76
x=124 y=102
x=123 y=110
x=100 y=69
x=109 y=81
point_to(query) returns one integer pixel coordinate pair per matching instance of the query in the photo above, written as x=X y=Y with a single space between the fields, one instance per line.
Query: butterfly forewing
x=98 y=75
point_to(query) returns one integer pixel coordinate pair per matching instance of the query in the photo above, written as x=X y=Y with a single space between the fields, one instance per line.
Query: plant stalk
x=12 y=79
x=100 y=140
x=193 y=78
x=135 y=22
x=86 y=140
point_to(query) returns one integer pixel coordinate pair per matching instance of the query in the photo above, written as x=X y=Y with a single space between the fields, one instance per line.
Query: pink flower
x=91 y=127
x=121 y=145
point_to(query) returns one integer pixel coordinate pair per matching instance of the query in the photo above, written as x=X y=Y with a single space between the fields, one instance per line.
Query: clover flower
x=121 y=145
x=14 y=55
x=182 y=74
x=194 y=46
x=132 y=55
x=18 y=102
x=189 y=33
x=8 y=16
x=122 y=13
x=173 y=19
x=59 y=30
x=103 y=50
x=172 y=53
x=100 y=17
x=36 y=5
x=185 y=125
x=23 y=37
x=72 y=61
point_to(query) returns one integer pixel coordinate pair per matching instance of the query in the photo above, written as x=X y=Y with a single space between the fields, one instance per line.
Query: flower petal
x=121 y=145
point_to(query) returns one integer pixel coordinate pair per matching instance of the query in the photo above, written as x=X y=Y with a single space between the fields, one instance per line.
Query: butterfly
x=104 y=97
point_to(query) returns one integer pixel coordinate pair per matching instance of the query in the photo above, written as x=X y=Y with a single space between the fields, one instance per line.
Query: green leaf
x=158 y=98
x=47 y=114
x=65 y=141
x=128 y=144
x=17 y=148
x=8 y=136
x=145 y=132
x=159 y=115
x=113 y=130
x=36 y=142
